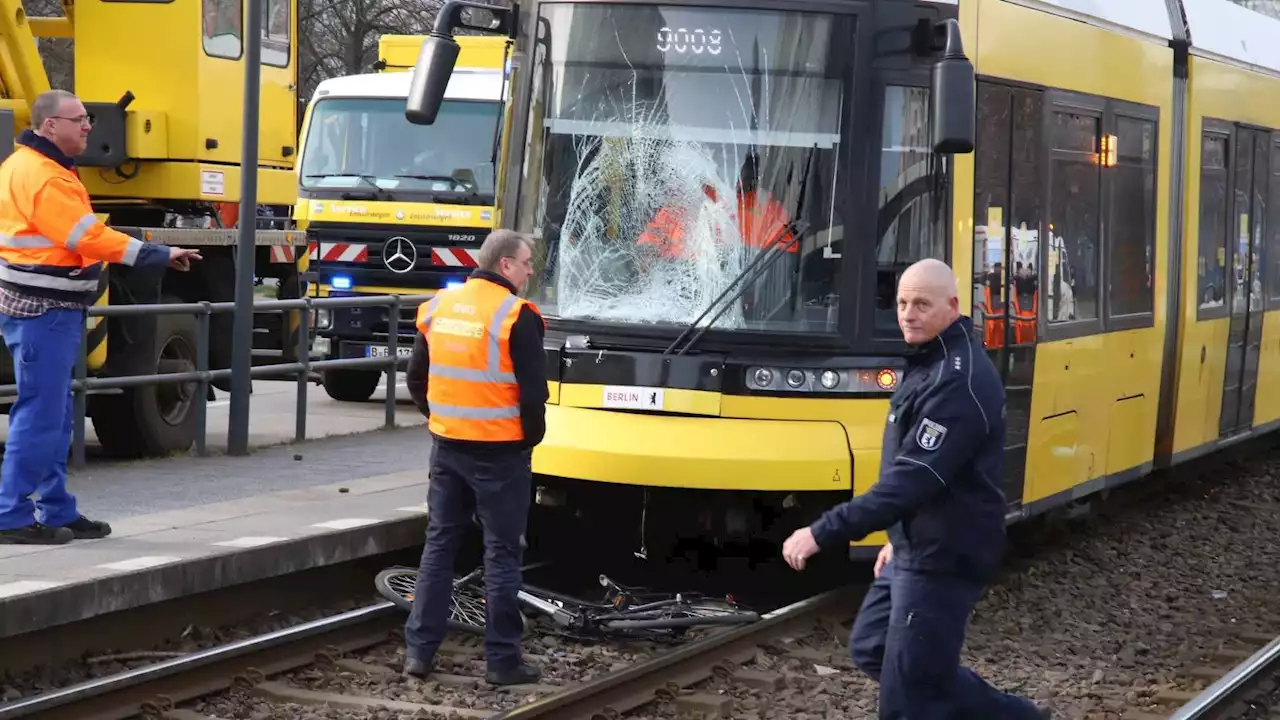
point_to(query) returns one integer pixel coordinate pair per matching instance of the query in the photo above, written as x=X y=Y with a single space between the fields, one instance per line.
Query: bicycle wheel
x=466 y=606
x=679 y=616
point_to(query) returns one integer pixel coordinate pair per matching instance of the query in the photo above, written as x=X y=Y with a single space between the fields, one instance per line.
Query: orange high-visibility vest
x=471 y=389
x=51 y=243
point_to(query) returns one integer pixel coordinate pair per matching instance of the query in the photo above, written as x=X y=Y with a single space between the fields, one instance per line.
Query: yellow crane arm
x=22 y=71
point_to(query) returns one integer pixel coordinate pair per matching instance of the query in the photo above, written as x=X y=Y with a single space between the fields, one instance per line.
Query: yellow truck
x=390 y=207
x=164 y=84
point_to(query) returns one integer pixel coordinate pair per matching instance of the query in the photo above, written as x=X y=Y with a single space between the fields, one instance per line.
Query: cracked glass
x=670 y=146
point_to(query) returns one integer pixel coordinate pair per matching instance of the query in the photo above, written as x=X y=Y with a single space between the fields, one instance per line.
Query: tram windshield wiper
x=754 y=269
x=743 y=280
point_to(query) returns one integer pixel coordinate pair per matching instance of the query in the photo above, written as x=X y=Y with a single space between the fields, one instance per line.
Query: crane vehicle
x=390 y=207
x=163 y=164
x=1112 y=170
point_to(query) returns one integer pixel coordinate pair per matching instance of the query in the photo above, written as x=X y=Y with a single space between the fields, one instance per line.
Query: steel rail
x=209 y=671
x=1224 y=688
x=636 y=685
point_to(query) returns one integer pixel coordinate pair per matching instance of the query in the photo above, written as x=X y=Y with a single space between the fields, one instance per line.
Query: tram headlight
x=821 y=381
x=763 y=377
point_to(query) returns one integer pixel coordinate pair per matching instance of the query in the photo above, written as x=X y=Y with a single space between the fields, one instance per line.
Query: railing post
x=304 y=375
x=81 y=399
x=202 y=367
x=393 y=336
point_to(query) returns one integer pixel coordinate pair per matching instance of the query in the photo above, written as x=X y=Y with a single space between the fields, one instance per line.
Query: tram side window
x=991 y=197
x=1273 y=225
x=1131 y=236
x=223 y=28
x=1075 y=206
x=1213 y=221
x=1007 y=207
x=909 y=221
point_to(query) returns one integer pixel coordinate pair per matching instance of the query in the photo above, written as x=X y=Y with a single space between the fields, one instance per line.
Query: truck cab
x=390 y=207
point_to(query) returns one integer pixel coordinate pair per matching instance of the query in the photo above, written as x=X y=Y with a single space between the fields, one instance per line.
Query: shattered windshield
x=361 y=142
x=669 y=146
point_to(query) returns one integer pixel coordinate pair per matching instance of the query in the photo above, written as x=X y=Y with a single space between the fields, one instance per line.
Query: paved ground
x=344 y=441
x=272 y=415
x=202 y=547
x=191 y=524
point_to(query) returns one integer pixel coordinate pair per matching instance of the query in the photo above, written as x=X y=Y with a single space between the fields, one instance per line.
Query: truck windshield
x=359 y=142
x=677 y=143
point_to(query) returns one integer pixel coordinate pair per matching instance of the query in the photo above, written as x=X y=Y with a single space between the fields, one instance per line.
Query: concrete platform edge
x=75 y=601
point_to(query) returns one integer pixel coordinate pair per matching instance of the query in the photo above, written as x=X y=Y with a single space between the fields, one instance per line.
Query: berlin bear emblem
x=930 y=434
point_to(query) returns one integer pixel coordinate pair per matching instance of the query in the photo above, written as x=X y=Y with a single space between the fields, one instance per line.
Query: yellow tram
x=1116 y=212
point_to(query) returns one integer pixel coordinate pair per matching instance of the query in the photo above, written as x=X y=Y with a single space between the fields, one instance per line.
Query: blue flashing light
x=340 y=282
x=453 y=284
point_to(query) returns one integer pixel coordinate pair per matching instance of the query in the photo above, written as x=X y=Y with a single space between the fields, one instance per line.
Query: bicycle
x=625 y=612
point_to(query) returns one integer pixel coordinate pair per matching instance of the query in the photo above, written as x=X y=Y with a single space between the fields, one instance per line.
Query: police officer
x=941 y=498
x=52 y=248
x=479 y=375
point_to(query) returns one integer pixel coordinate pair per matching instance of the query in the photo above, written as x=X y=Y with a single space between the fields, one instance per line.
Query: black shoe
x=414 y=667
x=82 y=528
x=36 y=534
x=521 y=674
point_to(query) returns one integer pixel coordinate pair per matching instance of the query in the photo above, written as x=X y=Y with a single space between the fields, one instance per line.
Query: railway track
x=1240 y=680
x=349 y=663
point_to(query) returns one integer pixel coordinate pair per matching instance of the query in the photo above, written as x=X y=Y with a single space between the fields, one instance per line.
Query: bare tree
x=340 y=37
x=1270 y=8
x=59 y=62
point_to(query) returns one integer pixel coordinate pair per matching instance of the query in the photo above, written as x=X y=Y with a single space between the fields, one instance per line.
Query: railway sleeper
x=285 y=693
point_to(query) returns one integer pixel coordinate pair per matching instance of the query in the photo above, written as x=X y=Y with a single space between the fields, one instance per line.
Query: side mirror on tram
x=953 y=93
x=440 y=52
x=430 y=78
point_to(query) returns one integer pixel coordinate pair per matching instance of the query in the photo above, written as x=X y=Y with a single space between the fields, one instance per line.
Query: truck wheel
x=152 y=420
x=351 y=385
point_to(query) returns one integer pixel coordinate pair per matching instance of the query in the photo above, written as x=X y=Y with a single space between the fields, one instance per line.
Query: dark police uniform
x=941 y=498
x=481 y=348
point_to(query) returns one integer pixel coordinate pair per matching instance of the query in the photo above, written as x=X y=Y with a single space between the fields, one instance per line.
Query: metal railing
x=203 y=376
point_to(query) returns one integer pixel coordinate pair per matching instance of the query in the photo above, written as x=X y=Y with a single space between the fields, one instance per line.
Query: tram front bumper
x=707 y=453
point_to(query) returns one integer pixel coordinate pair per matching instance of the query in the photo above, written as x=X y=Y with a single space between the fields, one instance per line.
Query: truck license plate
x=380 y=351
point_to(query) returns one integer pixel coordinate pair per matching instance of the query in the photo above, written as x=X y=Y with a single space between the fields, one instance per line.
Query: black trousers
x=495 y=486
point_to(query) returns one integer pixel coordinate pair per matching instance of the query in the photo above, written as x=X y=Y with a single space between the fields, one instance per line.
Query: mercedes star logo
x=399 y=255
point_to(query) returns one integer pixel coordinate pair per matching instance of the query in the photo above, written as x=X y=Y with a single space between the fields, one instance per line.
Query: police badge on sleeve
x=930 y=434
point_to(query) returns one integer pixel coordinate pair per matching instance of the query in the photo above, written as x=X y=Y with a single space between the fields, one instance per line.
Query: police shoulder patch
x=930 y=434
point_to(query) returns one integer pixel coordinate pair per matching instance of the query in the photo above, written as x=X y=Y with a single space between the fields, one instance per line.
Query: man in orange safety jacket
x=52 y=247
x=479 y=375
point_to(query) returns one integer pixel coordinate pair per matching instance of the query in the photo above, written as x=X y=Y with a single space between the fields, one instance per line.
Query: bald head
x=933 y=275
x=928 y=300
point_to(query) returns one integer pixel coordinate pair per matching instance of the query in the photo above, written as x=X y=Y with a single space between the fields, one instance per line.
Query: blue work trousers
x=44 y=350
x=496 y=486
x=908 y=636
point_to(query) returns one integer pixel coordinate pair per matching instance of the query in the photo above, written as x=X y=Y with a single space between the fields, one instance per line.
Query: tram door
x=1249 y=181
x=1007 y=204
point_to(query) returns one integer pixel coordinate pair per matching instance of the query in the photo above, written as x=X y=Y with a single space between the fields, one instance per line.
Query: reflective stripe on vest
x=82 y=226
x=473 y=341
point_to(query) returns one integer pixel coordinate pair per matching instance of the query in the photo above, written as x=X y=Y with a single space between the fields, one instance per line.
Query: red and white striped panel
x=339 y=252
x=455 y=257
x=282 y=254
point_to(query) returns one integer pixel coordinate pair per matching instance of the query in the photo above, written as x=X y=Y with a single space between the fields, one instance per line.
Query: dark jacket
x=527 y=360
x=940 y=493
